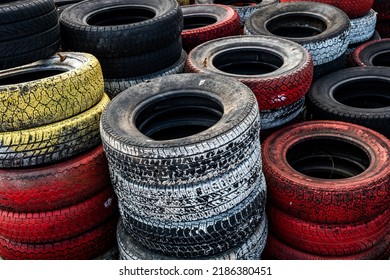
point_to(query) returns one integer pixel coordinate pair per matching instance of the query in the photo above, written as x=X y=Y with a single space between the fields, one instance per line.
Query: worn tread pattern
x=362 y=28
x=56 y=186
x=60 y=224
x=54 y=142
x=28 y=104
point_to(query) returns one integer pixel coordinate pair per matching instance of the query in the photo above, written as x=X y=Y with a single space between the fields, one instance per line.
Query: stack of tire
x=134 y=40
x=29 y=31
x=329 y=192
x=185 y=162
x=203 y=23
x=56 y=200
x=382 y=7
x=321 y=28
x=279 y=72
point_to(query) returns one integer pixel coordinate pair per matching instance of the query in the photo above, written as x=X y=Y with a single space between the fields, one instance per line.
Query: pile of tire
x=329 y=192
x=134 y=40
x=382 y=7
x=185 y=162
x=203 y=23
x=320 y=28
x=279 y=72
x=56 y=200
x=29 y=31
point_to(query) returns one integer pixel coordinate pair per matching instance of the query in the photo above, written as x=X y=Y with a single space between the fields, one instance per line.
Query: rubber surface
x=362 y=28
x=367 y=54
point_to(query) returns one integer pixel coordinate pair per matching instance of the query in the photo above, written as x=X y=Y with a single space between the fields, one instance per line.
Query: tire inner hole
x=28 y=76
x=381 y=59
x=296 y=25
x=120 y=16
x=178 y=115
x=238 y=3
x=247 y=62
x=367 y=93
x=192 y=22
x=328 y=158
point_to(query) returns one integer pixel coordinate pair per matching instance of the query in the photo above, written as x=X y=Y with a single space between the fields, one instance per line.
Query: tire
x=143 y=64
x=373 y=53
x=59 y=224
x=328 y=239
x=362 y=28
x=330 y=67
x=83 y=247
x=277 y=249
x=113 y=87
x=282 y=76
x=49 y=90
x=352 y=47
x=353 y=9
x=56 y=186
x=244 y=8
x=250 y=249
x=15 y=11
x=54 y=142
x=357 y=95
x=207 y=22
x=198 y=238
x=296 y=168
x=322 y=29
x=95 y=26
x=134 y=139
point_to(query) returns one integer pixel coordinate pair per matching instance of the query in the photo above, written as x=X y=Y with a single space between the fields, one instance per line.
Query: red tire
x=353 y=8
x=40 y=227
x=56 y=186
x=203 y=23
x=278 y=71
x=89 y=245
x=372 y=53
x=328 y=239
x=328 y=171
x=276 y=249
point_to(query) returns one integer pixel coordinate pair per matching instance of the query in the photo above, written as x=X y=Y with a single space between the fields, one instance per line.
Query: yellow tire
x=183 y=2
x=53 y=142
x=49 y=90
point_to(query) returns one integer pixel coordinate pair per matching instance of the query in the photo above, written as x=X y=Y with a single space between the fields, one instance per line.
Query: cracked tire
x=328 y=171
x=123 y=28
x=281 y=76
x=206 y=22
x=53 y=142
x=49 y=90
x=357 y=95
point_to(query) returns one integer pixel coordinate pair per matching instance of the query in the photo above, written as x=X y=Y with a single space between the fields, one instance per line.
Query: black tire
x=329 y=67
x=358 y=95
x=374 y=53
x=197 y=146
x=322 y=29
x=121 y=28
x=15 y=11
x=250 y=249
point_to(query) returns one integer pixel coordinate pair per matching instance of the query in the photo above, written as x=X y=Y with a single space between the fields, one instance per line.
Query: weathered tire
x=353 y=8
x=362 y=28
x=53 y=142
x=328 y=239
x=279 y=250
x=115 y=86
x=283 y=72
x=134 y=140
x=299 y=159
x=86 y=246
x=244 y=8
x=121 y=28
x=249 y=249
x=320 y=28
x=49 y=90
x=59 y=224
x=359 y=95
x=374 y=53
x=207 y=22
x=56 y=186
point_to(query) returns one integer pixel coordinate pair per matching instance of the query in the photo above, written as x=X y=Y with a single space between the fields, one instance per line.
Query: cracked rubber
x=198 y=29
x=285 y=85
x=49 y=90
x=56 y=186
x=54 y=142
